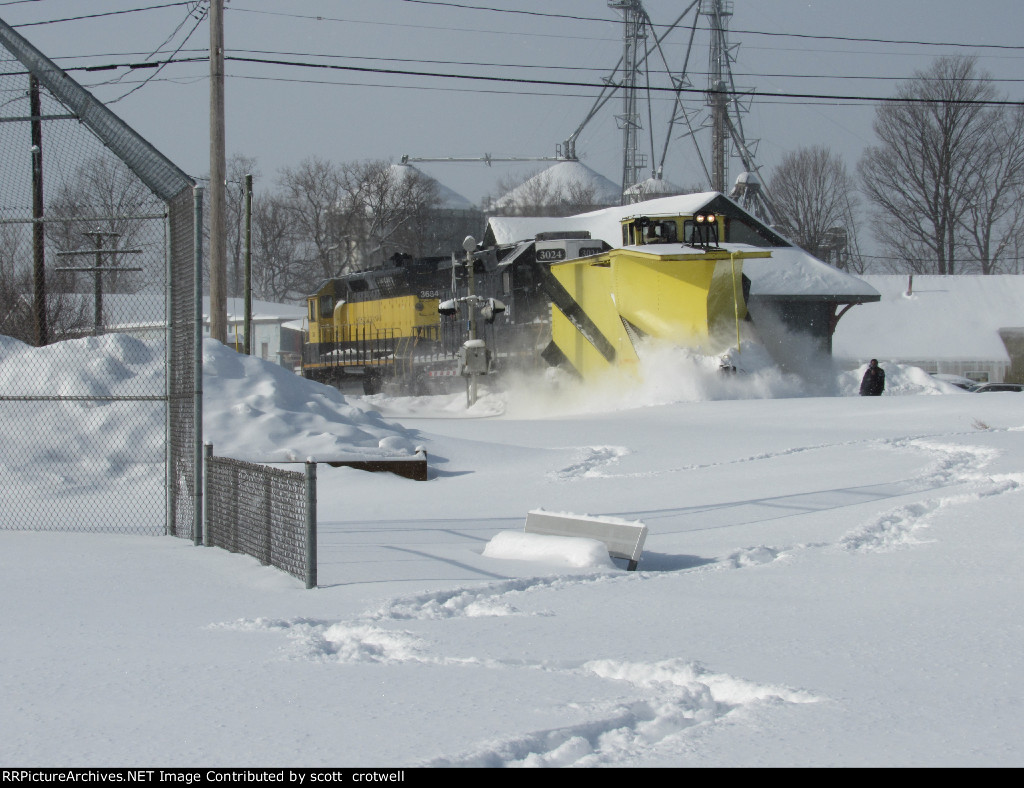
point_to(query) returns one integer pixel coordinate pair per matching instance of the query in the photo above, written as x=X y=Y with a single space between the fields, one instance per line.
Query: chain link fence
x=265 y=512
x=99 y=355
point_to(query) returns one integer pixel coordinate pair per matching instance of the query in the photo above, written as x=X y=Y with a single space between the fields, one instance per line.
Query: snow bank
x=900 y=380
x=87 y=436
x=258 y=411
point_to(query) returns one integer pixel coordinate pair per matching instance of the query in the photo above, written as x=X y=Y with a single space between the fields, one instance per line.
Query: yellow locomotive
x=372 y=340
x=568 y=301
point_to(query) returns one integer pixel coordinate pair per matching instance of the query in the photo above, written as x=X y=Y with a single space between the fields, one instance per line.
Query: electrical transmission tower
x=724 y=104
x=634 y=55
x=719 y=62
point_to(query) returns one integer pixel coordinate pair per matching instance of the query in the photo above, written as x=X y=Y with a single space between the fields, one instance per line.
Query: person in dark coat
x=873 y=382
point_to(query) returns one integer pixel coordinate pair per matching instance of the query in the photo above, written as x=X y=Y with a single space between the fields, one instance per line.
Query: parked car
x=986 y=387
x=956 y=380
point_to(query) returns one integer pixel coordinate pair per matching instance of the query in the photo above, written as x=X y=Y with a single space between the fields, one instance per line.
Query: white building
x=276 y=329
x=972 y=326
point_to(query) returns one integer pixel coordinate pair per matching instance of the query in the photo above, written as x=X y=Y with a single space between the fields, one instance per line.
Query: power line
x=466 y=6
x=446 y=28
x=199 y=21
x=697 y=92
x=752 y=94
x=812 y=36
x=188 y=15
x=536 y=66
x=101 y=14
x=856 y=40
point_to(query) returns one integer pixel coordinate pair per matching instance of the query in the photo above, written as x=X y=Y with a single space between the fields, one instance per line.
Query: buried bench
x=624 y=539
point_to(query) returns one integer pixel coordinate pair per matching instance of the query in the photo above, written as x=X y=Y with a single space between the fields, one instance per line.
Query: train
x=563 y=299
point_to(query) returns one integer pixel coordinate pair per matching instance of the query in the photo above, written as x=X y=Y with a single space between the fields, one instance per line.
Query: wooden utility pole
x=248 y=265
x=218 y=176
x=42 y=330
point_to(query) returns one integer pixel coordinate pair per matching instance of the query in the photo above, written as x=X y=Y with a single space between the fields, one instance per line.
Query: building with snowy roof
x=448 y=199
x=275 y=333
x=969 y=326
x=652 y=189
x=565 y=187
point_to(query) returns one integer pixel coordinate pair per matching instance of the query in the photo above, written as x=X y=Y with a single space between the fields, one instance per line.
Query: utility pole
x=248 y=265
x=218 y=176
x=469 y=244
x=38 y=249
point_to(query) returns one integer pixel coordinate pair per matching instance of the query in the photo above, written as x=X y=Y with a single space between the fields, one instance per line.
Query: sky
x=280 y=114
x=827 y=580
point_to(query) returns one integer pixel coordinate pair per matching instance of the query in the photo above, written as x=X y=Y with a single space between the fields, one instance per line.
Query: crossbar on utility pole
x=97 y=270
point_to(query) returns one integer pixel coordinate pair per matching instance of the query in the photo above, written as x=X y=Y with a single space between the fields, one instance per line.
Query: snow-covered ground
x=828 y=580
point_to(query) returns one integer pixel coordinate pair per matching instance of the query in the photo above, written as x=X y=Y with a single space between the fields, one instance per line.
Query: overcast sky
x=316 y=105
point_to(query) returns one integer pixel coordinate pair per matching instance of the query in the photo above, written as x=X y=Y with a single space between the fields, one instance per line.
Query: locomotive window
x=661 y=233
x=326 y=305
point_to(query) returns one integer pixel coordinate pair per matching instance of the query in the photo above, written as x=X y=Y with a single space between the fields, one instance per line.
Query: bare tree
x=66 y=314
x=993 y=223
x=315 y=196
x=815 y=200
x=388 y=206
x=926 y=173
x=238 y=167
x=279 y=272
x=104 y=195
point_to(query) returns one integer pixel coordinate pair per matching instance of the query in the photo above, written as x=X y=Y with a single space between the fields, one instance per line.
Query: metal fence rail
x=262 y=511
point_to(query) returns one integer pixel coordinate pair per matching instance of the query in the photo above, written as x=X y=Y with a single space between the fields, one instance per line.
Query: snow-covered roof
x=147 y=309
x=262 y=311
x=942 y=318
x=556 y=180
x=450 y=200
x=653 y=188
x=605 y=223
x=789 y=272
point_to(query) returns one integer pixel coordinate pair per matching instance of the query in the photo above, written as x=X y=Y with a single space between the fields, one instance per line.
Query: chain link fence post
x=204 y=525
x=310 y=523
